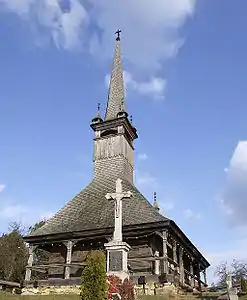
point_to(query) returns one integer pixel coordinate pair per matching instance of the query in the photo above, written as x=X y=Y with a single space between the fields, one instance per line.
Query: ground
x=4 y=296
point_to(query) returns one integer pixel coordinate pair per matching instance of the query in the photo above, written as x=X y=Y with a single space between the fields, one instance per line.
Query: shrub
x=94 y=285
x=127 y=290
x=114 y=285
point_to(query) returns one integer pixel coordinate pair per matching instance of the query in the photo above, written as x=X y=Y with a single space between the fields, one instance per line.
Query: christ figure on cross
x=118 y=196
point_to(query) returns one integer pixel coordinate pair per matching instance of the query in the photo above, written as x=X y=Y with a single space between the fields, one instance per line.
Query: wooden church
x=158 y=245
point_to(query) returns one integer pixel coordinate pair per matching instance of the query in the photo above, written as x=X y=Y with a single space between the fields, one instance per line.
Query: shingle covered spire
x=116 y=97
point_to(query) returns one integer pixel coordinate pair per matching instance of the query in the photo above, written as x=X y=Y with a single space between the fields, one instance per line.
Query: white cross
x=118 y=196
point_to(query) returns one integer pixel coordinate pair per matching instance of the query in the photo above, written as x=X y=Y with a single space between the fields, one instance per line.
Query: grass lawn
x=8 y=296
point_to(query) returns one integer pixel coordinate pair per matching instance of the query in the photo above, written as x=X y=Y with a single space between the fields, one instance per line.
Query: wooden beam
x=150 y=258
x=131 y=230
x=9 y=283
x=56 y=266
x=39 y=270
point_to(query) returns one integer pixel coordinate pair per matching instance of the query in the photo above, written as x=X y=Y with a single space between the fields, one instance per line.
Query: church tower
x=114 y=136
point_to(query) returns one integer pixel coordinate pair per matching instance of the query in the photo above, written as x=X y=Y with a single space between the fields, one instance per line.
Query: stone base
x=150 y=289
x=52 y=290
x=115 y=245
x=117 y=258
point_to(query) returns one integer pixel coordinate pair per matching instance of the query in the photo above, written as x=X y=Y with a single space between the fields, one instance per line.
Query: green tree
x=94 y=279
x=36 y=226
x=243 y=284
x=41 y=256
x=13 y=254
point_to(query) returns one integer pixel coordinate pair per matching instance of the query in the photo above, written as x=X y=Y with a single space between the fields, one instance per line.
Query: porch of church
x=157 y=255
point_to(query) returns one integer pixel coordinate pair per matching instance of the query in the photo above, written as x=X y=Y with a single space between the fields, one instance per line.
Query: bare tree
x=237 y=269
x=221 y=273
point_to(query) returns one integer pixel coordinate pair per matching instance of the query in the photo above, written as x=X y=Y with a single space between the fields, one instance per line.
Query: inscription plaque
x=115 y=261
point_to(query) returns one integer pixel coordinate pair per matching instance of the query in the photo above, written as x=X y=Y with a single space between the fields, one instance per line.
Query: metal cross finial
x=98 y=107
x=131 y=119
x=118 y=34
x=155 y=197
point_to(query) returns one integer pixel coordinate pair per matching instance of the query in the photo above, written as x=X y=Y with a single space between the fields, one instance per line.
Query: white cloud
x=62 y=20
x=150 y=28
x=191 y=215
x=150 y=32
x=2 y=187
x=13 y=212
x=166 y=207
x=144 y=178
x=234 y=198
x=47 y=215
x=142 y=156
x=154 y=88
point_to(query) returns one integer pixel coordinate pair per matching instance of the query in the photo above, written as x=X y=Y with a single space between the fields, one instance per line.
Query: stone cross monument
x=117 y=250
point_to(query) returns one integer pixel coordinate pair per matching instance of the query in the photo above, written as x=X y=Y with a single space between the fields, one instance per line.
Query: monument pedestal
x=117 y=259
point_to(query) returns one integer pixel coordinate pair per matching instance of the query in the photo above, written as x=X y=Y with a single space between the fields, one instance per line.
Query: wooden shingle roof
x=90 y=210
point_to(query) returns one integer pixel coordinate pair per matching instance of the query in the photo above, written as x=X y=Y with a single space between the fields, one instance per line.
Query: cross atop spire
x=156 y=205
x=118 y=34
x=116 y=96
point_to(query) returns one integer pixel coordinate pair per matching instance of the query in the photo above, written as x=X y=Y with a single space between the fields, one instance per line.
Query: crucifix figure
x=118 y=197
x=118 y=34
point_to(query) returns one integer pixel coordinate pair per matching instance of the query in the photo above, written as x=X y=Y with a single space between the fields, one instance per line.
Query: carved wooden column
x=205 y=276
x=30 y=263
x=157 y=263
x=192 y=272
x=181 y=265
x=69 y=246
x=174 y=249
x=199 y=276
x=165 y=261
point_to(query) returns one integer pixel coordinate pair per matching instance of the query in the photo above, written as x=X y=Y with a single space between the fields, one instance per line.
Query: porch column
x=181 y=265
x=165 y=261
x=205 y=276
x=30 y=263
x=192 y=273
x=174 y=249
x=199 y=276
x=157 y=263
x=69 y=246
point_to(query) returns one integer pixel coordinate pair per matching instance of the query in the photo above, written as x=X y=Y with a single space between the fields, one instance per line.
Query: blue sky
x=185 y=64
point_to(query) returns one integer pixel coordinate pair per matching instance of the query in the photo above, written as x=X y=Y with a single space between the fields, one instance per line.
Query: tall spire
x=116 y=97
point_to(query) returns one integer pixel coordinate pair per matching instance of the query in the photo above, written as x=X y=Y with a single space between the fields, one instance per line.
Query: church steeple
x=114 y=136
x=116 y=95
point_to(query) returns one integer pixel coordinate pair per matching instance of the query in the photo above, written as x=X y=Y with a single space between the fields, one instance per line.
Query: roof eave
x=94 y=234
